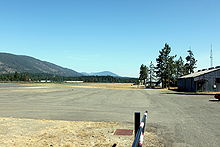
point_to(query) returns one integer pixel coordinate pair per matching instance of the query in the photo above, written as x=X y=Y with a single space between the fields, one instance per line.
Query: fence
x=139 y=129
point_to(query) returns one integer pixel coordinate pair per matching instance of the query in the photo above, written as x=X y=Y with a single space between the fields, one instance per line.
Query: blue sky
x=114 y=35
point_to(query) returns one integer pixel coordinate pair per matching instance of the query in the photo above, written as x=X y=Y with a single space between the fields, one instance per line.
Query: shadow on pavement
x=187 y=93
x=178 y=92
x=214 y=100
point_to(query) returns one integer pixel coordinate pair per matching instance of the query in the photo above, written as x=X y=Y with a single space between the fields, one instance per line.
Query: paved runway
x=181 y=119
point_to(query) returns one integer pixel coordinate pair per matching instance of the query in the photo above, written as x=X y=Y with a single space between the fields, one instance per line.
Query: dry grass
x=86 y=85
x=40 y=133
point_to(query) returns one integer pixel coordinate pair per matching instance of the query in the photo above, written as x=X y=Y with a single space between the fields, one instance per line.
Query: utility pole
x=211 y=57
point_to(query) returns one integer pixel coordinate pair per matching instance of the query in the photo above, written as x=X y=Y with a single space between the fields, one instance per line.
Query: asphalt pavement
x=180 y=119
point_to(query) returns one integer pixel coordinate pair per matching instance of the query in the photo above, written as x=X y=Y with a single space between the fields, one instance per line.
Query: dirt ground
x=52 y=133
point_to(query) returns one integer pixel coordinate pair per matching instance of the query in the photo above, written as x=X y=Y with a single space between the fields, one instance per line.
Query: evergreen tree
x=179 y=69
x=16 y=76
x=190 y=63
x=152 y=76
x=171 y=71
x=55 y=78
x=165 y=66
x=143 y=74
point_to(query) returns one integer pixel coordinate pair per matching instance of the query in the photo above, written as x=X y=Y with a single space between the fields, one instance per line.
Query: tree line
x=168 y=69
x=37 y=77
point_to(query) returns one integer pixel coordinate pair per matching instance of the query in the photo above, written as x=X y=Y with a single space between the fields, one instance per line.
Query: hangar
x=203 y=80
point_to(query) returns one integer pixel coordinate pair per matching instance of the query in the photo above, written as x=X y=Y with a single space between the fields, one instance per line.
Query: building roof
x=200 y=72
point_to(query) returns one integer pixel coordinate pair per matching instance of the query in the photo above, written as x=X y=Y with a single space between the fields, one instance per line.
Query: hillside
x=10 y=63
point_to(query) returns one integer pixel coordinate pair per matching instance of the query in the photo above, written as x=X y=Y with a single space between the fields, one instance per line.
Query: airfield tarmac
x=178 y=119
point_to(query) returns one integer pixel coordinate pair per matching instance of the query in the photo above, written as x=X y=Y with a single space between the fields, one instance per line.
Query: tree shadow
x=179 y=92
x=186 y=93
x=214 y=100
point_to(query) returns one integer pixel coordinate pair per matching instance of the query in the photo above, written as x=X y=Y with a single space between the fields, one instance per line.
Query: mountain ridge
x=10 y=63
x=102 y=73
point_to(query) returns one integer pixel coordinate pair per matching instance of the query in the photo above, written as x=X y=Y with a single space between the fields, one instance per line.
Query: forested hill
x=10 y=63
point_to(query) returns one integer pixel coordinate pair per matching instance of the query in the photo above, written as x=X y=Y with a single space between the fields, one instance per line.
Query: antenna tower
x=211 y=57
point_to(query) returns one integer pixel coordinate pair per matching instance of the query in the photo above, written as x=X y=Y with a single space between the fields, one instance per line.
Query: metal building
x=202 y=80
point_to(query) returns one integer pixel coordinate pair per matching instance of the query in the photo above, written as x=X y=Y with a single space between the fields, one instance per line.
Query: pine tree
x=152 y=76
x=179 y=69
x=165 y=66
x=143 y=74
x=190 y=63
x=171 y=71
x=16 y=76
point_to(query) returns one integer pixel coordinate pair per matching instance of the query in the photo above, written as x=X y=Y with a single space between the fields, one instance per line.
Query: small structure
x=154 y=83
x=202 y=80
x=45 y=81
x=73 y=81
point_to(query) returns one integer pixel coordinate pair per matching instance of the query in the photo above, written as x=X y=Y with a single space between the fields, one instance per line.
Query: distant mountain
x=85 y=74
x=10 y=63
x=103 y=73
